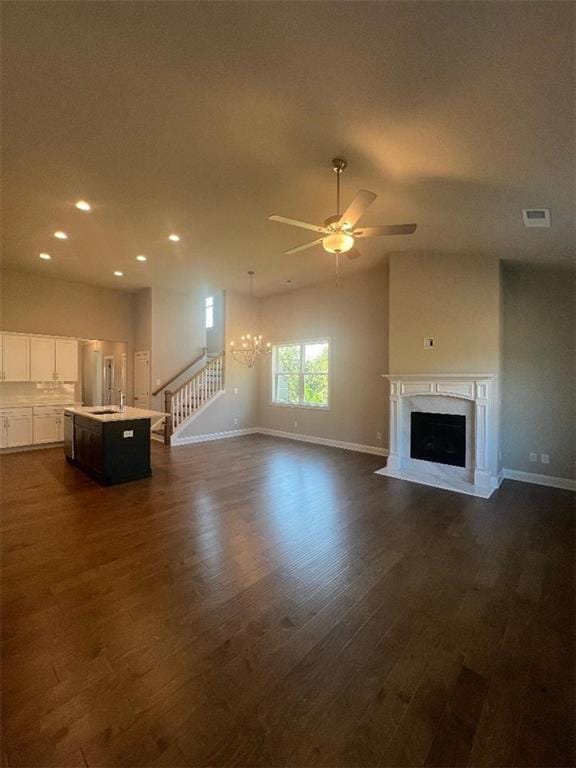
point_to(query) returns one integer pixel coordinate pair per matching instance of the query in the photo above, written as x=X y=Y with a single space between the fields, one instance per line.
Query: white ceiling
x=203 y=118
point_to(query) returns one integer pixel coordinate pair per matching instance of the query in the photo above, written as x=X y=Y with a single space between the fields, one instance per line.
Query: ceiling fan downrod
x=338 y=165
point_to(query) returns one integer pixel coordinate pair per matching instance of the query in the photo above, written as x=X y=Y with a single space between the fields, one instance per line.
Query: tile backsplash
x=48 y=390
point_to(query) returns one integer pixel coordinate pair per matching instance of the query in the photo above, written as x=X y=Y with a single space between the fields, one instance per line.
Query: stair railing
x=181 y=372
x=192 y=394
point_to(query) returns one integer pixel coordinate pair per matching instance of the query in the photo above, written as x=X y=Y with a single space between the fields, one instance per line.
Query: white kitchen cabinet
x=53 y=359
x=48 y=424
x=66 y=360
x=15 y=427
x=42 y=359
x=15 y=357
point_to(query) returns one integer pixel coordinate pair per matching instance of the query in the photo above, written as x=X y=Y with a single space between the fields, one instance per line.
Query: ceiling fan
x=338 y=233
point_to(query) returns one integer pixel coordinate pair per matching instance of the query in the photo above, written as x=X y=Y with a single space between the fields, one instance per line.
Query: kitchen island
x=109 y=444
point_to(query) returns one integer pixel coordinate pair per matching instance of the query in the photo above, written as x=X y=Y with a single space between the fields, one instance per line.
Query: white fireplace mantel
x=413 y=392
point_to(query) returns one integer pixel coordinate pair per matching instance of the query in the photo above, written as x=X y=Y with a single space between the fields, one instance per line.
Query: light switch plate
x=429 y=342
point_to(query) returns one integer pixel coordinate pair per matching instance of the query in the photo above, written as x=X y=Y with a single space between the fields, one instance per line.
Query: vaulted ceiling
x=203 y=118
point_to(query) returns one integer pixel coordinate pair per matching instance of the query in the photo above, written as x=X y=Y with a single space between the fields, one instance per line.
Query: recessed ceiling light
x=60 y=235
x=118 y=273
x=45 y=256
x=174 y=238
x=141 y=257
x=82 y=205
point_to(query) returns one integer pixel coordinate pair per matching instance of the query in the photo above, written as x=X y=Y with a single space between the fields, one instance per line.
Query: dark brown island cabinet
x=111 y=451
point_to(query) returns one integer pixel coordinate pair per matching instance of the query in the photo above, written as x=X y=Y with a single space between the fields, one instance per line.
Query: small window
x=300 y=374
x=209 y=311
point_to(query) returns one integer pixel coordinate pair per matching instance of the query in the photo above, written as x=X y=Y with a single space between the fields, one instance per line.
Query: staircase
x=192 y=396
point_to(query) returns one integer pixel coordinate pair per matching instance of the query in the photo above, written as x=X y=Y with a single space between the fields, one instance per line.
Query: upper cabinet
x=42 y=359
x=38 y=358
x=15 y=357
x=66 y=360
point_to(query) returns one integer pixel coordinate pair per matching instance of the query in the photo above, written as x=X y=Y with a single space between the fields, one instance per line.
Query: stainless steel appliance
x=69 y=435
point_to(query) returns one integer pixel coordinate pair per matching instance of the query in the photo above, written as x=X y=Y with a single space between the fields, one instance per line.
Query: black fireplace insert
x=439 y=437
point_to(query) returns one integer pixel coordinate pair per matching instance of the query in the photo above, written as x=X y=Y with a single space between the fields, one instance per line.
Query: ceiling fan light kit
x=338 y=233
x=338 y=242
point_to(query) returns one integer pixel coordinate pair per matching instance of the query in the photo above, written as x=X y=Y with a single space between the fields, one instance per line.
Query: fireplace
x=443 y=431
x=438 y=437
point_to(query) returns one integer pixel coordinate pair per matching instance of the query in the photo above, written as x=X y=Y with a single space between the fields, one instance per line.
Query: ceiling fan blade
x=296 y=223
x=357 y=207
x=353 y=254
x=391 y=229
x=304 y=246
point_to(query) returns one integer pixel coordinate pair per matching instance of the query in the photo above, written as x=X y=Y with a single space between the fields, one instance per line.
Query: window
x=300 y=374
x=209 y=310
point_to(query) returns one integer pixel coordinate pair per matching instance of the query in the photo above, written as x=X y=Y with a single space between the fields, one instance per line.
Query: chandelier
x=250 y=346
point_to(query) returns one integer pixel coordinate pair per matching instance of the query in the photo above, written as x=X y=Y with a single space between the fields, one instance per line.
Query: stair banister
x=192 y=394
x=168 y=420
x=180 y=372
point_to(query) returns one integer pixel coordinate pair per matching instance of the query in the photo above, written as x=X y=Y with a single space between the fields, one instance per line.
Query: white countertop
x=128 y=414
x=30 y=402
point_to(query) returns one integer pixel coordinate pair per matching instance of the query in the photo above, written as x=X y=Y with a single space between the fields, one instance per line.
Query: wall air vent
x=536 y=217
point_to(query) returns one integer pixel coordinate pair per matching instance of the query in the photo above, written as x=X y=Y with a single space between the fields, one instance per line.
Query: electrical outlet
x=235 y=390
x=378 y=435
x=235 y=419
x=295 y=424
x=545 y=458
x=533 y=457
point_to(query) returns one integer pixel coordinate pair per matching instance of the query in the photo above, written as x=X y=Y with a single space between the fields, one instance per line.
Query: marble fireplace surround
x=473 y=395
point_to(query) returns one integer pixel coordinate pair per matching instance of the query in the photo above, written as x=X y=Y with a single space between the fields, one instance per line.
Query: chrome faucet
x=122 y=399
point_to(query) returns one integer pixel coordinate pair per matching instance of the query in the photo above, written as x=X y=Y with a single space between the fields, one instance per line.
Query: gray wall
x=32 y=303
x=143 y=320
x=355 y=317
x=538 y=368
x=455 y=300
x=178 y=332
x=237 y=408
x=215 y=335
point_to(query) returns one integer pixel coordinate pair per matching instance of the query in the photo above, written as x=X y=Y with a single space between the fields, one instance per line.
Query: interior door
x=142 y=380
x=109 y=379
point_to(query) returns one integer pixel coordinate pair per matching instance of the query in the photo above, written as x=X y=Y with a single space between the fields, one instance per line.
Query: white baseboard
x=278 y=433
x=506 y=474
x=323 y=441
x=531 y=477
x=32 y=447
x=211 y=436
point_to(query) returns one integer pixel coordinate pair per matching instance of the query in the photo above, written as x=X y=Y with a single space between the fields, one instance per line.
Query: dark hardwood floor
x=261 y=602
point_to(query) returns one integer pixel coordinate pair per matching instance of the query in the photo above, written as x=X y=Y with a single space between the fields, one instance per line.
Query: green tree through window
x=300 y=374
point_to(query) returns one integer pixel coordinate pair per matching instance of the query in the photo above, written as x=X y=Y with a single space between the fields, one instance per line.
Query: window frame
x=302 y=343
x=208 y=305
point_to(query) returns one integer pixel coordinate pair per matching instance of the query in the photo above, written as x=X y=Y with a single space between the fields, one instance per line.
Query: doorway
x=142 y=380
